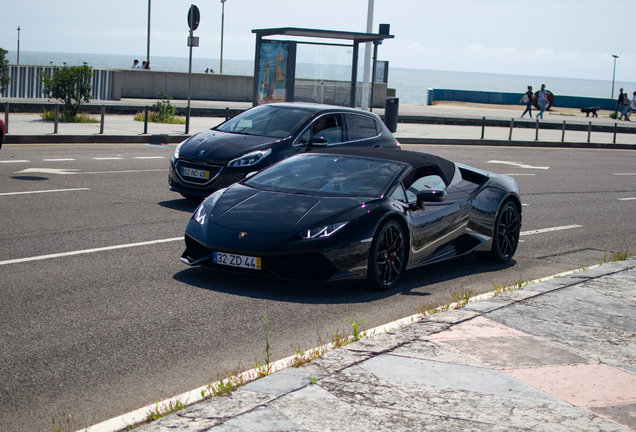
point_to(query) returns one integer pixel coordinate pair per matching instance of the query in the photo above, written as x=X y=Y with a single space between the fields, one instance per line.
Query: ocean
x=410 y=84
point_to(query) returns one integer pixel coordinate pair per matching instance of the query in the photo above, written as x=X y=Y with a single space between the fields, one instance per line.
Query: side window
x=361 y=127
x=328 y=126
x=431 y=181
x=398 y=194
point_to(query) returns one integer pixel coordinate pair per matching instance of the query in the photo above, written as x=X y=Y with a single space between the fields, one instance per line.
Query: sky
x=551 y=38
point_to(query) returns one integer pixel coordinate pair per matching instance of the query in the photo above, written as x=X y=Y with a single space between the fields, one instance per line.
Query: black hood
x=274 y=212
x=222 y=147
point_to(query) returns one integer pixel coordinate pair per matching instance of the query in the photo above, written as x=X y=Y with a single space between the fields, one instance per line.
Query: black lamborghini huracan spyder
x=355 y=213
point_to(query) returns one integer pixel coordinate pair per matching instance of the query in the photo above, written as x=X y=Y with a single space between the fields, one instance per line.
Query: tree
x=71 y=85
x=5 y=79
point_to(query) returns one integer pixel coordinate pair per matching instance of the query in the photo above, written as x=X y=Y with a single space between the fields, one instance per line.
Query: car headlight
x=323 y=231
x=206 y=208
x=176 y=150
x=251 y=158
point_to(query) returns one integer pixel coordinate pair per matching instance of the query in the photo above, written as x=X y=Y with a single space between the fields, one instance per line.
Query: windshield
x=267 y=120
x=328 y=175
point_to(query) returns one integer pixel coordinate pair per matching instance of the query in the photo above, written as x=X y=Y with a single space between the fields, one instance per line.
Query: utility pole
x=367 y=60
x=222 y=24
x=613 y=75
x=148 y=45
x=18 y=62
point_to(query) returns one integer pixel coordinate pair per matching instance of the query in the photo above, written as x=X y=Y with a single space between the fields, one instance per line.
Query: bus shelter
x=285 y=71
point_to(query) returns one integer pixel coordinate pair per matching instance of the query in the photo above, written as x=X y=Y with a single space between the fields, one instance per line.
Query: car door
x=361 y=130
x=436 y=226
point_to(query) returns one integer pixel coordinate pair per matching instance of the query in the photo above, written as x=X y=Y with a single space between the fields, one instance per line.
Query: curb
x=177 y=138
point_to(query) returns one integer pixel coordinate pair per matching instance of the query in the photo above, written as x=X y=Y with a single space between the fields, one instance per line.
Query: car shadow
x=270 y=288
x=181 y=204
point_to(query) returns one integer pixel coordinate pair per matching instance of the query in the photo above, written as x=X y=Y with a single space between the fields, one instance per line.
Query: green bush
x=5 y=79
x=162 y=112
x=71 y=85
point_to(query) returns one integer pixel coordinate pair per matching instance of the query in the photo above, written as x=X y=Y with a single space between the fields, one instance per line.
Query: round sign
x=193 y=17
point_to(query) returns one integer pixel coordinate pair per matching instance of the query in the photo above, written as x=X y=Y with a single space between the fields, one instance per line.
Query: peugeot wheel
x=506 y=233
x=387 y=255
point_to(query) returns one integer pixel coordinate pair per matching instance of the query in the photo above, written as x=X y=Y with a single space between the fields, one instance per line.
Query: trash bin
x=391 y=113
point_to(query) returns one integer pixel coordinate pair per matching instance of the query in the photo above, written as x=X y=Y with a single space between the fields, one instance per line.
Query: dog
x=589 y=110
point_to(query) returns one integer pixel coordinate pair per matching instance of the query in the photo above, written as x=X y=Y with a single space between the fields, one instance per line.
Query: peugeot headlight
x=176 y=150
x=251 y=158
x=206 y=208
x=323 y=231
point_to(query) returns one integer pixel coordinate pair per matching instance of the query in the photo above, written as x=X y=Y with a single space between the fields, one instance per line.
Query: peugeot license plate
x=195 y=173
x=241 y=261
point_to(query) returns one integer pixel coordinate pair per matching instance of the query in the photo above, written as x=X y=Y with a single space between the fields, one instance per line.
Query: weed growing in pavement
x=460 y=300
x=356 y=327
x=614 y=256
x=223 y=386
x=500 y=289
x=303 y=357
x=267 y=367
x=161 y=409
x=428 y=309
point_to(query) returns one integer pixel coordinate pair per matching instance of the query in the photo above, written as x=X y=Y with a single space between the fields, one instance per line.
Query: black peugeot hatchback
x=263 y=135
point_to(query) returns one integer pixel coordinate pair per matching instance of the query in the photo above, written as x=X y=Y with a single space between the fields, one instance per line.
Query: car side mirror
x=430 y=195
x=316 y=141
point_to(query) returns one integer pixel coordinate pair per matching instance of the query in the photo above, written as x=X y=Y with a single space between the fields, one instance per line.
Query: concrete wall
x=217 y=87
x=513 y=99
x=148 y=84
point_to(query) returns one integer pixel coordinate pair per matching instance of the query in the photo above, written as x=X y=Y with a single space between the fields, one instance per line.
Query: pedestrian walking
x=633 y=107
x=619 y=102
x=543 y=101
x=625 y=107
x=527 y=99
x=135 y=65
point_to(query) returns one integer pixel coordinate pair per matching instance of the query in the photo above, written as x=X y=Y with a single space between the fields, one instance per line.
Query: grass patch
x=79 y=118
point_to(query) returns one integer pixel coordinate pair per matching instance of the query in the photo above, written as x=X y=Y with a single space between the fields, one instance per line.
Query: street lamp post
x=614 y=74
x=18 y=62
x=148 y=44
x=222 y=23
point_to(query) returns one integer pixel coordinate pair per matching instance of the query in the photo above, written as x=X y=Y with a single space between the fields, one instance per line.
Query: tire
x=387 y=256
x=506 y=233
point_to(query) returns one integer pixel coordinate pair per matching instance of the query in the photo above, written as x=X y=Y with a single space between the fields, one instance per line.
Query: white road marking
x=545 y=230
x=74 y=171
x=107 y=158
x=619 y=174
x=149 y=157
x=87 y=251
x=517 y=164
x=58 y=160
x=14 y=161
x=48 y=171
x=626 y=199
x=126 y=171
x=43 y=191
x=516 y=175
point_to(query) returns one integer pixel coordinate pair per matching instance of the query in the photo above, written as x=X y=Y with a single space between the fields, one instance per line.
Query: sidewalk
x=558 y=355
x=27 y=128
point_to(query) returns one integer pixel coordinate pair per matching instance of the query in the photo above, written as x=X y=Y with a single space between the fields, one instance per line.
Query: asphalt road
x=98 y=333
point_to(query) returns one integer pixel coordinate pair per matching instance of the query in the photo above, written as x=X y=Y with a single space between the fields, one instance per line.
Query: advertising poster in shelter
x=272 y=71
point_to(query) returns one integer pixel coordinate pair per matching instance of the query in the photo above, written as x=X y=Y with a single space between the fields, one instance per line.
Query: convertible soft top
x=415 y=159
